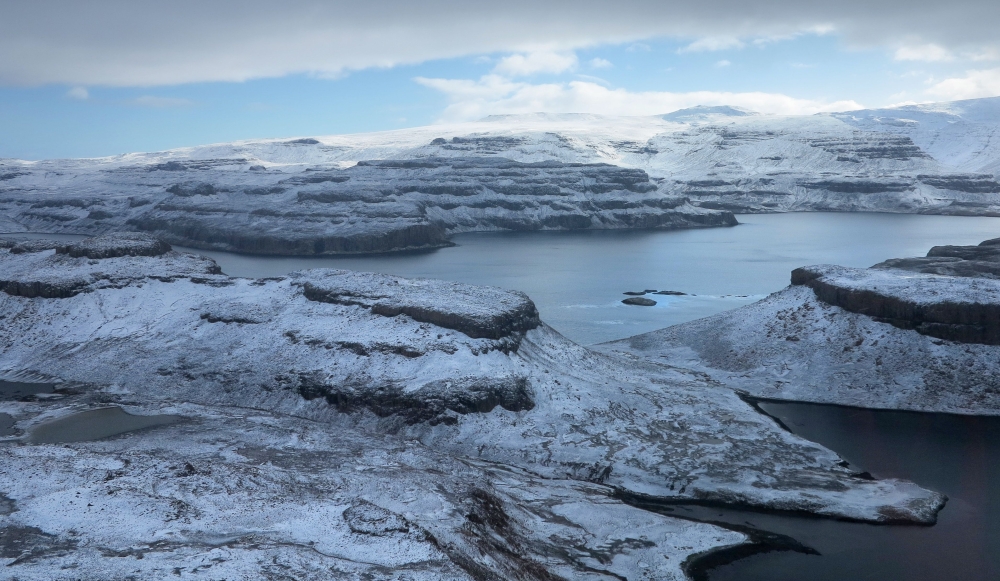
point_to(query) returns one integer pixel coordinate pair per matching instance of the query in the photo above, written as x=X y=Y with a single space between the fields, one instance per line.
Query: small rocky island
x=333 y=424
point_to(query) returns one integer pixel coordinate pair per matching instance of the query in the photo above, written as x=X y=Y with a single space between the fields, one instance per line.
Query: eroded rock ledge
x=478 y=311
x=30 y=271
x=467 y=371
x=981 y=261
x=966 y=310
x=375 y=206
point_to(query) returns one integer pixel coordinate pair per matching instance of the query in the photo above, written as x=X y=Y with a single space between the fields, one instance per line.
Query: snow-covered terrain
x=686 y=169
x=347 y=423
x=915 y=334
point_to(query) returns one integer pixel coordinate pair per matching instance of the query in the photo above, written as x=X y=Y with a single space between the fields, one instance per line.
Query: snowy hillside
x=688 y=168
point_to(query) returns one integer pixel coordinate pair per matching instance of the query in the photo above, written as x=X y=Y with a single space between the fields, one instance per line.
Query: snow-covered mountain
x=687 y=168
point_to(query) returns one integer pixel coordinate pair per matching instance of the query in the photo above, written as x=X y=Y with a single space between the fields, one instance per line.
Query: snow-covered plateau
x=918 y=334
x=411 y=188
x=339 y=425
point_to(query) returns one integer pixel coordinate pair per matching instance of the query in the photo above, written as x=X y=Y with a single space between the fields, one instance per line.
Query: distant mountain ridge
x=694 y=166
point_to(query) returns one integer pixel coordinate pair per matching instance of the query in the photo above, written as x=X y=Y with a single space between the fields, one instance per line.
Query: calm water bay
x=956 y=455
x=577 y=278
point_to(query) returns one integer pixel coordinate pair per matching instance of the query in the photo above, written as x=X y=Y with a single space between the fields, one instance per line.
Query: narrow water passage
x=952 y=454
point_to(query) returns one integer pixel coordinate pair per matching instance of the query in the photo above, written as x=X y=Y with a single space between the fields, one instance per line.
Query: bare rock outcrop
x=114 y=245
x=478 y=311
x=915 y=334
x=466 y=371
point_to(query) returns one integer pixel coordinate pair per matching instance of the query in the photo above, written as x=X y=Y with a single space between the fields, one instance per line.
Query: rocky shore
x=342 y=423
x=912 y=333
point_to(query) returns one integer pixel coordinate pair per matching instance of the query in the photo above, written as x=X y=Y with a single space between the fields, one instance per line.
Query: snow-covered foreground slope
x=915 y=334
x=685 y=169
x=458 y=429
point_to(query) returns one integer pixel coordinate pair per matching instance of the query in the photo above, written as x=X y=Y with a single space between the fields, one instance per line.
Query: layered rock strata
x=521 y=172
x=374 y=206
x=478 y=378
x=916 y=334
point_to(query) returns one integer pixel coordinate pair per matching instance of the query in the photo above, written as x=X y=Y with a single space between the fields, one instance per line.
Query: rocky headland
x=350 y=424
x=911 y=333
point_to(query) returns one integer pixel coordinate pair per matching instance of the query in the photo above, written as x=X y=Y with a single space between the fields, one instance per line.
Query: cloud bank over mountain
x=145 y=43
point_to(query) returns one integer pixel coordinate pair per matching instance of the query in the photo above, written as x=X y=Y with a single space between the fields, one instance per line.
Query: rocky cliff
x=442 y=420
x=373 y=206
x=913 y=333
x=691 y=168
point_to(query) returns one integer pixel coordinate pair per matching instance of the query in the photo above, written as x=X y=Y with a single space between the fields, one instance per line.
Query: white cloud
x=926 y=52
x=129 y=43
x=723 y=63
x=975 y=84
x=80 y=93
x=599 y=63
x=712 y=43
x=160 y=102
x=988 y=54
x=492 y=95
x=536 y=62
x=593 y=79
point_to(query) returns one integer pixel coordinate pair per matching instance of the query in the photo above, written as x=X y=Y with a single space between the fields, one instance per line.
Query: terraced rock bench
x=963 y=309
x=481 y=312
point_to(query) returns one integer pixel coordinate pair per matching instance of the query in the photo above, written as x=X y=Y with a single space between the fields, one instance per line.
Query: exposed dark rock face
x=366 y=518
x=479 y=312
x=971 y=183
x=436 y=402
x=247 y=234
x=28 y=544
x=374 y=206
x=982 y=261
x=90 y=264
x=935 y=306
x=871 y=147
x=859 y=186
x=23 y=246
x=113 y=245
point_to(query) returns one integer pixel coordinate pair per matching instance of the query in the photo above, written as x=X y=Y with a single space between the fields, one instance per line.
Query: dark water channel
x=15 y=390
x=956 y=455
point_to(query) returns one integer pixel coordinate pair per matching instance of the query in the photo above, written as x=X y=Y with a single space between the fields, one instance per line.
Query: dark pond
x=94 y=425
x=952 y=454
x=14 y=390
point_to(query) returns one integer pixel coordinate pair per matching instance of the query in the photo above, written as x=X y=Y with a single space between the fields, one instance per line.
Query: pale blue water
x=577 y=278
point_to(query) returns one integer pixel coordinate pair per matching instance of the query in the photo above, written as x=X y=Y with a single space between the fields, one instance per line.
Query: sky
x=103 y=77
